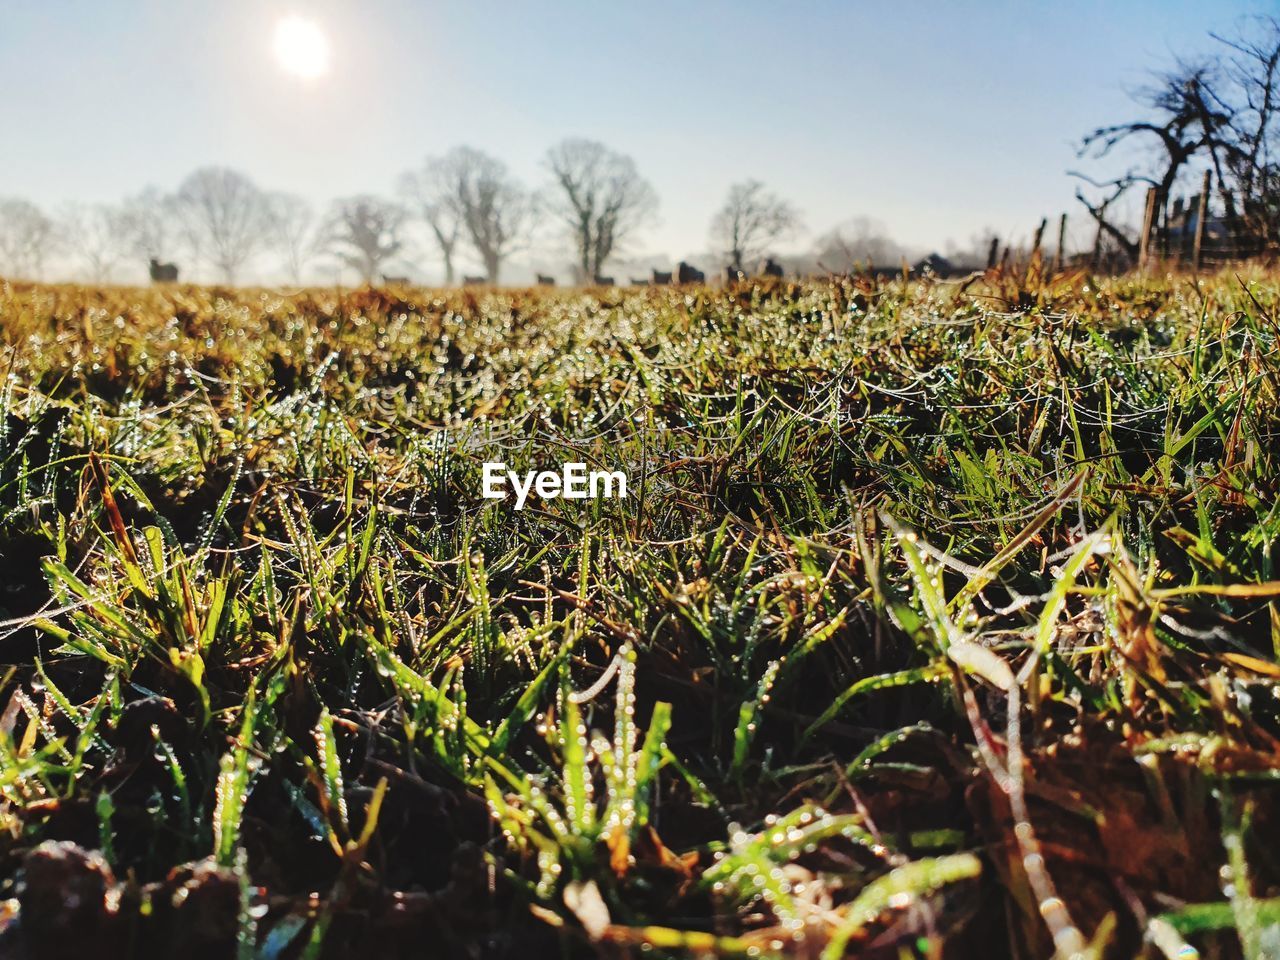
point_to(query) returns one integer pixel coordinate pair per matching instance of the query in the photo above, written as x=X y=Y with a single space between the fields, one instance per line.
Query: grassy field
x=937 y=622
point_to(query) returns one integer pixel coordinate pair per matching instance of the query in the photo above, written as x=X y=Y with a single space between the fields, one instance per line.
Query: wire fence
x=1187 y=231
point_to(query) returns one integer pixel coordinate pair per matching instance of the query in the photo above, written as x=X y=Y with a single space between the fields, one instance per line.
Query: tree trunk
x=584 y=248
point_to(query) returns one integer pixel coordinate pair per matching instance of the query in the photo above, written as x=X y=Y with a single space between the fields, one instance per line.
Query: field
x=938 y=621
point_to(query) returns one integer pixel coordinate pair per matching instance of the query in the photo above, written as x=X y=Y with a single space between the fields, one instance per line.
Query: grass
x=938 y=620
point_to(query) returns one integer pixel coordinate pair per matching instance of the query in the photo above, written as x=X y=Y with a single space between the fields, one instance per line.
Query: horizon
x=202 y=87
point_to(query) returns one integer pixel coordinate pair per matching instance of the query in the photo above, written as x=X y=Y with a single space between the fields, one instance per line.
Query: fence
x=1186 y=232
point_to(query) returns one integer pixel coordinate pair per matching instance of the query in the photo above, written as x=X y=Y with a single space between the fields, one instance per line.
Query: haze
x=940 y=120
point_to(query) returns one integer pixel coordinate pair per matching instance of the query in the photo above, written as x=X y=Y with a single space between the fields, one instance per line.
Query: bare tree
x=1251 y=73
x=364 y=232
x=750 y=222
x=1108 y=230
x=858 y=243
x=1185 y=123
x=27 y=237
x=432 y=191
x=96 y=234
x=224 y=216
x=149 y=225
x=1220 y=112
x=291 y=231
x=600 y=198
x=495 y=210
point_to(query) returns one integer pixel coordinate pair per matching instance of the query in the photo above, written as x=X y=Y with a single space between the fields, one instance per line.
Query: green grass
x=937 y=621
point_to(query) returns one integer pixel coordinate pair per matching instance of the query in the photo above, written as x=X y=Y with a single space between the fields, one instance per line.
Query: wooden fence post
x=993 y=252
x=1059 y=259
x=1201 y=212
x=1144 y=240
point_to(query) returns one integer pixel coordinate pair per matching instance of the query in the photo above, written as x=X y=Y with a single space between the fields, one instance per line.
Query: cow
x=639 y=282
x=394 y=281
x=474 y=281
x=163 y=272
x=603 y=281
x=771 y=268
x=687 y=273
x=545 y=281
x=661 y=277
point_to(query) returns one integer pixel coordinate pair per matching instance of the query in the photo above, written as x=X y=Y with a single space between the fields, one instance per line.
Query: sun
x=301 y=47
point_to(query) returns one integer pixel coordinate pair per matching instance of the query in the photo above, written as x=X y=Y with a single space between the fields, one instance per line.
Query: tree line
x=1217 y=113
x=467 y=200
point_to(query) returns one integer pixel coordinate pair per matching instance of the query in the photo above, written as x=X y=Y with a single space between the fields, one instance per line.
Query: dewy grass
x=933 y=618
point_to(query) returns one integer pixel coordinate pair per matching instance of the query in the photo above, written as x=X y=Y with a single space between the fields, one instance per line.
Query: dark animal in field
x=639 y=282
x=545 y=281
x=603 y=281
x=771 y=268
x=687 y=273
x=163 y=272
x=474 y=281
x=661 y=277
x=394 y=281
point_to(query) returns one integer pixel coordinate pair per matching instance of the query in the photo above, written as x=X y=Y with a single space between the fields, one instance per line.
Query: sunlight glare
x=301 y=47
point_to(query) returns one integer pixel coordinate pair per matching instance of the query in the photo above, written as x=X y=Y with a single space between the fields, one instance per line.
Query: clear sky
x=937 y=118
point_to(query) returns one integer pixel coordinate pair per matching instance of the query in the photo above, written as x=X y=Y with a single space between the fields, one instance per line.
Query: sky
x=939 y=119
